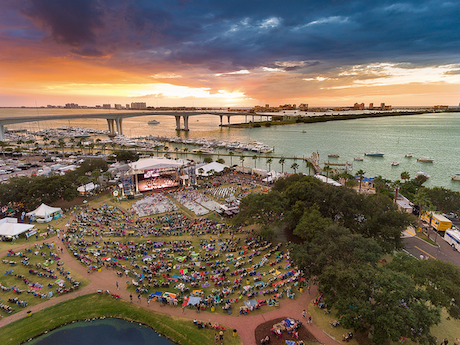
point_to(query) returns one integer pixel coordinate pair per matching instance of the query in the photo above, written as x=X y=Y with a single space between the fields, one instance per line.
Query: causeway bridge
x=115 y=119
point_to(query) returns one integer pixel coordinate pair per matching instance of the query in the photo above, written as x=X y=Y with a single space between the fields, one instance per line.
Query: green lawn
x=96 y=306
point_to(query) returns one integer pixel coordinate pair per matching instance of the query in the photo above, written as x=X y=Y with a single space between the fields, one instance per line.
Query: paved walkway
x=244 y=324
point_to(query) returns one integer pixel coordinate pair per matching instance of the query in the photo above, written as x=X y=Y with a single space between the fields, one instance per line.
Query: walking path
x=244 y=324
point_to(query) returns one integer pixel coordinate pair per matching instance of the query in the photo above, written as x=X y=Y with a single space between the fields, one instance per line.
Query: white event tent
x=44 y=213
x=9 y=227
x=208 y=168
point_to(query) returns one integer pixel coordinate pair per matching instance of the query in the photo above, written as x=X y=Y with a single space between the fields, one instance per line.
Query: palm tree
x=185 y=150
x=269 y=162
x=405 y=176
x=421 y=199
x=327 y=169
x=255 y=161
x=241 y=159
x=360 y=173
x=90 y=148
x=282 y=161
x=61 y=144
x=231 y=154
x=379 y=182
x=309 y=166
x=294 y=167
x=157 y=148
x=176 y=149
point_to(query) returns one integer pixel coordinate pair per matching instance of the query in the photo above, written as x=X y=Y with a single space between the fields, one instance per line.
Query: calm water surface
x=435 y=136
x=102 y=332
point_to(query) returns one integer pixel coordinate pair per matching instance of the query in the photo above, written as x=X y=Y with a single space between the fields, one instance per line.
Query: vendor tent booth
x=45 y=213
x=10 y=228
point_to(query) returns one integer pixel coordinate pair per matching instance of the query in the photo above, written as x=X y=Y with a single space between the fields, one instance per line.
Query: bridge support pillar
x=2 y=133
x=252 y=118
x=186 y=122
x=228 y=119
x=221 y=117
x=119 y=123
x=177 y=123
x=245 y=119
x=111 y=124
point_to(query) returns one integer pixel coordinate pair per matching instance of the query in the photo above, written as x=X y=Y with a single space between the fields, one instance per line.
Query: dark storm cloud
x=69 y=22
x=240 y=34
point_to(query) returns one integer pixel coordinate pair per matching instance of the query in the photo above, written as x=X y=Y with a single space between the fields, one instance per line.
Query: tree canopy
x=343 y=236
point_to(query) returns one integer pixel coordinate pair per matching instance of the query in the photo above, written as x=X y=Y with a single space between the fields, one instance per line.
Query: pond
x=102 y=332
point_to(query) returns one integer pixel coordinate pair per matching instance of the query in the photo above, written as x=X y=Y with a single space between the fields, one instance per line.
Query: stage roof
x=156 y=163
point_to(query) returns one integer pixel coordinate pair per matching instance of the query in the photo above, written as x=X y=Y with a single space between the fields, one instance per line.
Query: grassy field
x=95 y=306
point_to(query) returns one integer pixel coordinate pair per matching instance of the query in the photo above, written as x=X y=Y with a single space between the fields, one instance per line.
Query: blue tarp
x=193 y=300
x=250 y=303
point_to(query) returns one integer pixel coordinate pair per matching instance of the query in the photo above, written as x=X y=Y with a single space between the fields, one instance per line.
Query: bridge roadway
x=115 y=119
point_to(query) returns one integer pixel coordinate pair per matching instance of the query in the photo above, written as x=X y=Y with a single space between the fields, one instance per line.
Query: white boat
x=456 y=177
x=408 y=155
x=153 y=122
x=359 y=159
x=374 y=154
x=425 y=160
x=394 y=164
x=421 y=173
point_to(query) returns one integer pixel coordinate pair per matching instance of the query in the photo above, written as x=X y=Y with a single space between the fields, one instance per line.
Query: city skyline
x=229 y=54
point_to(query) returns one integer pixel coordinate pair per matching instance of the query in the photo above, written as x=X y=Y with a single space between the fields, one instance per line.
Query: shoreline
x=321 y=118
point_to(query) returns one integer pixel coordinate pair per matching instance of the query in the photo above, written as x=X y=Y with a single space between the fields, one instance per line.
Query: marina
x=397 y=137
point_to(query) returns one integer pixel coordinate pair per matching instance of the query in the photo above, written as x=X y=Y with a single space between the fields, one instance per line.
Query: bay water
x=432 y=135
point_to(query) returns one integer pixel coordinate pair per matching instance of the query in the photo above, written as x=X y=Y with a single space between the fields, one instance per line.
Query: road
x=443 y=251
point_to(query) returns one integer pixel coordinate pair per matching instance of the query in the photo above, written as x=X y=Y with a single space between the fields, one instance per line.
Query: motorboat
x=333 y=155
x=153 y=122
x=374 y=154
x=425 y=160
x=421 y=173
x=394 y=164
x=456 y=177
x=408 y=155
x=359 y=159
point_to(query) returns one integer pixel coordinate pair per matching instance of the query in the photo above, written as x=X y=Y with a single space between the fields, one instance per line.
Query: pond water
x=102 y=332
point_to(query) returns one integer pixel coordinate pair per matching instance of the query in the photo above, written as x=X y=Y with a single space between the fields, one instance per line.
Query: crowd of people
x=44 y=276
x=154 y=204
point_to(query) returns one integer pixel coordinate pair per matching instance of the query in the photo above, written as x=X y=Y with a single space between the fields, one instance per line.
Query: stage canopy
x=156 y=163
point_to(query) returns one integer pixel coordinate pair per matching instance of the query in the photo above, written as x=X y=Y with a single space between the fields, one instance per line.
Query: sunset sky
x=229 y=52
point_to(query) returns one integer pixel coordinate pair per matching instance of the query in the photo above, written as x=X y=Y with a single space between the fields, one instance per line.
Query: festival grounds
x=193 y=267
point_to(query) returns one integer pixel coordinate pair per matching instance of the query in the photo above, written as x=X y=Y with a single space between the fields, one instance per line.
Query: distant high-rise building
x=71 y=106
x=358 y=106
x=303 y=107
x=118 y=106
x=138 y=105
x=106 y=106
x=371 y=106
x=127 y=106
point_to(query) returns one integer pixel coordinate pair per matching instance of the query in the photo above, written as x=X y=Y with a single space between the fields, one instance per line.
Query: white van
x=453 y=238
